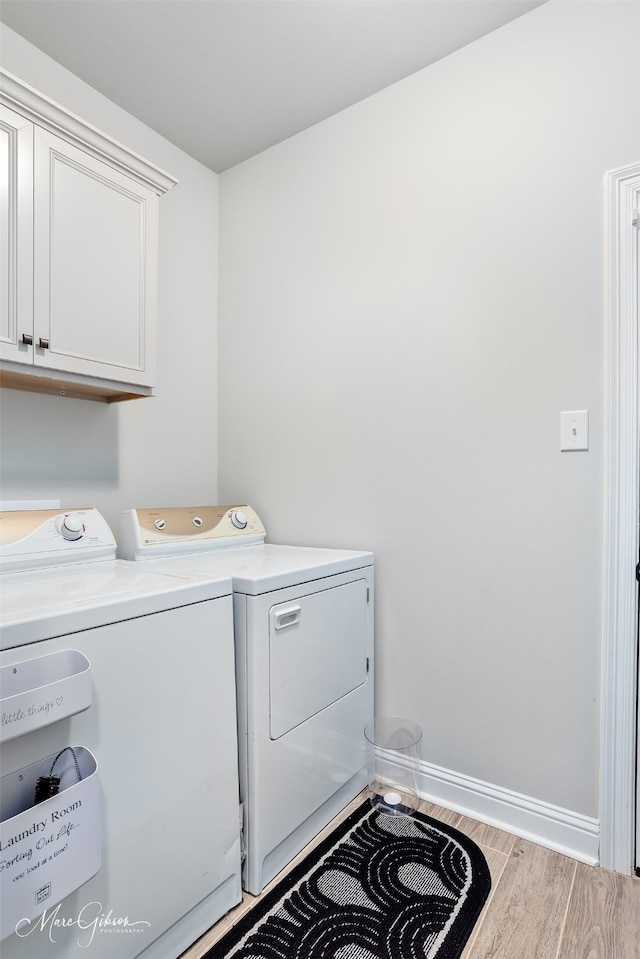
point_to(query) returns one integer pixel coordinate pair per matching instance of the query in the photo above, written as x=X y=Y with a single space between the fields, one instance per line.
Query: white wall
x=157 y=451
x=410 y=294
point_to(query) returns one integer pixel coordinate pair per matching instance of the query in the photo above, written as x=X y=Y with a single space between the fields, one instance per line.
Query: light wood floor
x=542 y=905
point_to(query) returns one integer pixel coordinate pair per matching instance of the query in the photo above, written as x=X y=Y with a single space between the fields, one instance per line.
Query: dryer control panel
x=152 y=532
x=45 y=537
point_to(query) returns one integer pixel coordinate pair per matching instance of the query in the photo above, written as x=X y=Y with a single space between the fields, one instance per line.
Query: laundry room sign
x=49 y=849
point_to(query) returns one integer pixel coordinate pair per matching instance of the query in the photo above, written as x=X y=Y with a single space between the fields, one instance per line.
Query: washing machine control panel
x=173 y=530
x=43 y=537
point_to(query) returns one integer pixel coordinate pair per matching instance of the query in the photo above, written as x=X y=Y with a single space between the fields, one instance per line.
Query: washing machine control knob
x=239 y=518
x=71 y=527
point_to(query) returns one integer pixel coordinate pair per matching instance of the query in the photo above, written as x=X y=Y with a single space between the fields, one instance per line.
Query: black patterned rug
x=379 y=887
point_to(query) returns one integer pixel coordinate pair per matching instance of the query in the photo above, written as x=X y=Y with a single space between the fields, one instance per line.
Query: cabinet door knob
x=43 y=344
x=27 y=339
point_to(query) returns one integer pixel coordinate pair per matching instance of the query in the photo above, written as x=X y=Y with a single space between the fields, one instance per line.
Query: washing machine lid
x=46 y=603
x=263 y=568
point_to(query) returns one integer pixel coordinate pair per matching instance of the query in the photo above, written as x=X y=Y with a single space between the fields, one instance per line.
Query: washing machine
x=303 y=621
x=119 y=801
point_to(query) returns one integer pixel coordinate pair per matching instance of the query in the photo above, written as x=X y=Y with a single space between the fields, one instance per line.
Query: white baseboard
x=567 y=832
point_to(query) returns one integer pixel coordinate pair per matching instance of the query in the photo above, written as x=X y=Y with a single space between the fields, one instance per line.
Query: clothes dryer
x=119 y=682
x=303 y=621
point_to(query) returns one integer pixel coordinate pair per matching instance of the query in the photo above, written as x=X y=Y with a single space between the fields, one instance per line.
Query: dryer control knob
x=239 y=518
x=71 y=527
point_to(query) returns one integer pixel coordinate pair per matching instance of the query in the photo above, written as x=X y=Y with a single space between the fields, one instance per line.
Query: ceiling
x=225 y=79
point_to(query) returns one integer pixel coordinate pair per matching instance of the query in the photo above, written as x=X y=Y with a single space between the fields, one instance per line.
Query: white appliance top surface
x=227 y=541
x=40 y=604
x=265 y=567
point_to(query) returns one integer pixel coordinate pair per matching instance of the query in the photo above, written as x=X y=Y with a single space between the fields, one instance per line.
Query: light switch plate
x=574 y=430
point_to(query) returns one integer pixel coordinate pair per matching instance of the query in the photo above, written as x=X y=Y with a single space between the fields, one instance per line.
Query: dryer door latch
x=287 y=617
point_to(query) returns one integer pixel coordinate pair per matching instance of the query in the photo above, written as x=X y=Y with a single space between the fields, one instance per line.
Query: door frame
x=621 y=511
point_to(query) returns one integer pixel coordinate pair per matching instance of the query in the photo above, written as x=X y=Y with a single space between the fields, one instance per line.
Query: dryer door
x=317 y=653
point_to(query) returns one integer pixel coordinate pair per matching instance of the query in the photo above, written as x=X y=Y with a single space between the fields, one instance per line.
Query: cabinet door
x=16 y=237
x=95 y=256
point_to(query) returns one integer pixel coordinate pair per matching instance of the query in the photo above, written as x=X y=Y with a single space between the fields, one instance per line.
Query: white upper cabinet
x=95 y=252
x=79 y=241
x=16 y=234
